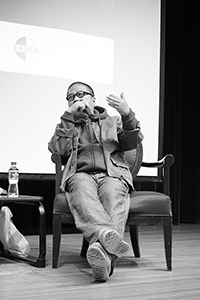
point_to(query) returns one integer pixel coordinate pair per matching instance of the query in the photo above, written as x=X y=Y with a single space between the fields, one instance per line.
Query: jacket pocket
x=119 y=164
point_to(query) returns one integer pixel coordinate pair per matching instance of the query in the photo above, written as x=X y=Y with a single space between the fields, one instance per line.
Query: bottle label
x=13 y=181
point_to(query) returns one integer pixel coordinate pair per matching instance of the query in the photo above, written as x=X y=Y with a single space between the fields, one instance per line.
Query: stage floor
x=134 y=278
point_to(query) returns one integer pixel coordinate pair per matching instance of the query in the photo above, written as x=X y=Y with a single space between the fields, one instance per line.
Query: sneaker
x=100 y=261
x=112 y=241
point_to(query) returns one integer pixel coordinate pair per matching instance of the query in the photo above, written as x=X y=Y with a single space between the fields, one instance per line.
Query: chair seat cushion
x=141 y=203
x=150 y=203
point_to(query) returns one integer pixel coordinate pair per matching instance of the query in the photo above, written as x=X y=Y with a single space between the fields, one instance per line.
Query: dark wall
x=182 y=110
x=181 y=123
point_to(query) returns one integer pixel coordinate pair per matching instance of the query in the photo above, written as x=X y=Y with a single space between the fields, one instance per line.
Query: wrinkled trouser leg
x=97 y=202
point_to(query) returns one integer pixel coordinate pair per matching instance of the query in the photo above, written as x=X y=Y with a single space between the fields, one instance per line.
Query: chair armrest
x=163 y=165
x=166 y=161
x=56 y=158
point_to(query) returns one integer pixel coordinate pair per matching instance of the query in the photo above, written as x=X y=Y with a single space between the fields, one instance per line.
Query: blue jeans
x=98 y=202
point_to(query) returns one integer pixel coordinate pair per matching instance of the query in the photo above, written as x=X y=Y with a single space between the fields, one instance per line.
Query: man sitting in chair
x=96 y=177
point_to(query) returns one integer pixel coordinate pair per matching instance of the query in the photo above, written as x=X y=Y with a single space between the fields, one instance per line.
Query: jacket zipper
x=90 y=133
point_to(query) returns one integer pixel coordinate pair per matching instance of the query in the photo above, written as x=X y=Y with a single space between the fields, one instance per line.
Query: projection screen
x=113 y=45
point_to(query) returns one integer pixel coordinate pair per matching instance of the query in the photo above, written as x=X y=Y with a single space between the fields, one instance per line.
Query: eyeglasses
x=79 y=94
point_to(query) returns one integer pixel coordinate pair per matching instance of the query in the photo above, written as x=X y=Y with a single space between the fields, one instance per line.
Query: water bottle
x=13 y=178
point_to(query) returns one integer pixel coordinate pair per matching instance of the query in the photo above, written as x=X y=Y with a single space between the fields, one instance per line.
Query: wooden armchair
x=147 y=207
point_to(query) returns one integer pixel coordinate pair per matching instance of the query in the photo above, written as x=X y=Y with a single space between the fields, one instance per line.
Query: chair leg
x=167 y=230
x=57 y=230
x=84 y=247
x=133 y=229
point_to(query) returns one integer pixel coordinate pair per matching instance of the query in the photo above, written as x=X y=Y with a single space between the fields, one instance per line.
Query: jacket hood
x=100 y=112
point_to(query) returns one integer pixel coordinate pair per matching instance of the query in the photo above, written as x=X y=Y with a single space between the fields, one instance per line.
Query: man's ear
x=94 y=99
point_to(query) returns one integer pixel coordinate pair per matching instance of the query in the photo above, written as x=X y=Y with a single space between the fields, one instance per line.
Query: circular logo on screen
x=26 y=48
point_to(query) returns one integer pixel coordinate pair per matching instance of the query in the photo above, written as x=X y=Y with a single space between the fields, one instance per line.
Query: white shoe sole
x=99 y=261
x=113 y=243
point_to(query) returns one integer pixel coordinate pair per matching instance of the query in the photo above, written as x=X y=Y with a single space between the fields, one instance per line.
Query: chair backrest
x=134 y=158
